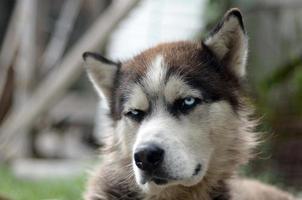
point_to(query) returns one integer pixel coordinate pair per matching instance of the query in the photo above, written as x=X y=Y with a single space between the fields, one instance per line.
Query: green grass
x=50 y=189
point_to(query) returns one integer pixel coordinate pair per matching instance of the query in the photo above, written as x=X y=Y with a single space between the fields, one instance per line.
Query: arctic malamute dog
x=179 y=121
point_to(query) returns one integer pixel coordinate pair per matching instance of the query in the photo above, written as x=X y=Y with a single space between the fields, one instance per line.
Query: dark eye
x=188 y=104
x=135 y=114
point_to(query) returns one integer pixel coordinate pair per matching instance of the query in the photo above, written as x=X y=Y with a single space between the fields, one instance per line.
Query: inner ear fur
x=228 y=41
x=101 y=72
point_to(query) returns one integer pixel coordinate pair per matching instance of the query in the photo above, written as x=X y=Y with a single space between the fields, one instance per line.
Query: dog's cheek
x=126 y=130
x=198 y=123
x=223 y=124
x=201 y=134
x=194 y=132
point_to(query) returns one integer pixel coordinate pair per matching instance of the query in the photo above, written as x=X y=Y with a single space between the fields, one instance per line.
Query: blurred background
x=48 y=136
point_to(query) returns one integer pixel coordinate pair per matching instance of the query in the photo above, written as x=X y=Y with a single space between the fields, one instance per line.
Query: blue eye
x=188 y=104
x=135 y=114
x=189 y=101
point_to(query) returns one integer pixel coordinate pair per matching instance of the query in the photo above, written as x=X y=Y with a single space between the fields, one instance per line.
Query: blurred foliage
x=283 y=73
x=216 y=8
x=214 y=11
x=264 y=176
x=59 y=189
x=288 y=74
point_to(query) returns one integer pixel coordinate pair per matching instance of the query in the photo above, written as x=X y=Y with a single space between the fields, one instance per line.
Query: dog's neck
x=220 y=192
x=201 y=191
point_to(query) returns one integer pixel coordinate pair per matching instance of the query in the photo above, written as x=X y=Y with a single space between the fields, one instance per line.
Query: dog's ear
x=228 y=41
x=101 y=72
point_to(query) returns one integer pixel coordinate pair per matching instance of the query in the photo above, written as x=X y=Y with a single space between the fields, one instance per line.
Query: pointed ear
x=101 y=72
x=229 y=43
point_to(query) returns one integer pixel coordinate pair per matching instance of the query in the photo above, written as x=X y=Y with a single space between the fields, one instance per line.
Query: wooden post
x=25 y=68
x=10 y=45
x=59 y=39
x=63 y=76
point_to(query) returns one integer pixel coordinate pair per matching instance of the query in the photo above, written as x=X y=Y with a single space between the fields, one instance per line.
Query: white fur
x=156 y=75
x=186 y=144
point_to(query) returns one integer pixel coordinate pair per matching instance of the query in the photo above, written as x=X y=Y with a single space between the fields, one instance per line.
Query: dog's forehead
x=159 y=70
x=173 y=71
x=176 y=55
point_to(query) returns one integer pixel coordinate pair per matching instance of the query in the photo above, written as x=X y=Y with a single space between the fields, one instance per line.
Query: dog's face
x=173 y=103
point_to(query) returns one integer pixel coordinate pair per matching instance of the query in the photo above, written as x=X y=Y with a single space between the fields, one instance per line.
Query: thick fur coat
x=186 y=100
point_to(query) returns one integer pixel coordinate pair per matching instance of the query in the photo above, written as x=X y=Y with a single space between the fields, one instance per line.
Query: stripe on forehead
x=156 y=75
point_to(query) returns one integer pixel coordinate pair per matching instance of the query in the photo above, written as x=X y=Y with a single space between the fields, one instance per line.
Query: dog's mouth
x=153 y=167
x=163 y=179
x=158 y=180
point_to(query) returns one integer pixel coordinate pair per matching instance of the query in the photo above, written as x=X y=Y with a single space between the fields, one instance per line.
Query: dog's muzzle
x=149 y=157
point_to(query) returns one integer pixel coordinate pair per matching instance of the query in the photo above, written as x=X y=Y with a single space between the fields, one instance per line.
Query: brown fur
x=209 y=69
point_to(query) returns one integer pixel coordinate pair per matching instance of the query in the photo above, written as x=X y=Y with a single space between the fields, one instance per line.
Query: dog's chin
x=151 y=187
x=156 y=185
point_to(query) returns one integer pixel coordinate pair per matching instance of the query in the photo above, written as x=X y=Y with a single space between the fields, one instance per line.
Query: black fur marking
x=100 y=58
x=226 y=85
x=214 y=80
x=236 y=13
x=138 y=117
x=197 y=169
x=159 y=181
x=176 y=109
x=221 y=192
x=123 y=80
x=217 y=27
x=232 y=13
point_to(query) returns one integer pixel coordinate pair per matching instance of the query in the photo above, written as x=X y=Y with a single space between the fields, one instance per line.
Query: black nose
x=148 y=157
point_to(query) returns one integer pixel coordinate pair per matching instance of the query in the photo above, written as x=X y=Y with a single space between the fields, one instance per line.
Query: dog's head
x=176 y=106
